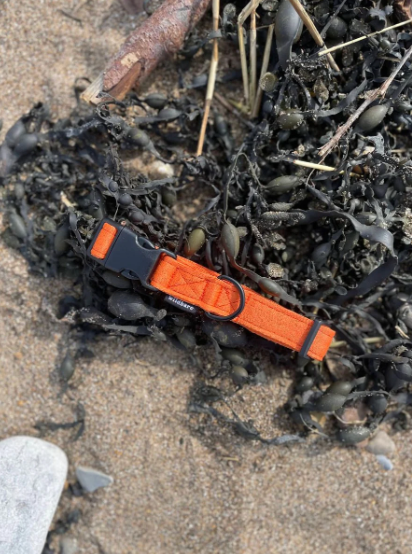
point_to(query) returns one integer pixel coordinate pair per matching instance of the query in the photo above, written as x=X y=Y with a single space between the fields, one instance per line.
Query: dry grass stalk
x=244 y=14
x=212 y=78
x=320 y=167
x=368 y=340
x=252 y=54
x=243 y=63
x=312 y=30
x=265 y=65
x=311 y=165
x=339 y=46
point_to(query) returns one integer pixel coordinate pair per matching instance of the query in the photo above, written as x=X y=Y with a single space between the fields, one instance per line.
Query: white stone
x=384 y=462
x=92 y=479
x=160 y=170
x=32 y=476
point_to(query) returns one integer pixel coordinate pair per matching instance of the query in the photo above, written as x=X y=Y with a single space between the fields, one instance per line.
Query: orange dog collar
x=120 y=250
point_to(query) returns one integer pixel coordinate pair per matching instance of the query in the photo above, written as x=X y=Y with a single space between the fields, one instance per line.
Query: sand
x=181 y=483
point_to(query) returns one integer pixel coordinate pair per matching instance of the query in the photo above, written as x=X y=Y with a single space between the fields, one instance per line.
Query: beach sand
x=181 y=483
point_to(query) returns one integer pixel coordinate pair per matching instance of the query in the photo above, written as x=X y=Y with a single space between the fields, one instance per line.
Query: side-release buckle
x=119 y=249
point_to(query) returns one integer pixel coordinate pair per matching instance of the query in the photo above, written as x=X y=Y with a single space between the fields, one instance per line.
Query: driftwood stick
x=159 y=37
x=373 y=95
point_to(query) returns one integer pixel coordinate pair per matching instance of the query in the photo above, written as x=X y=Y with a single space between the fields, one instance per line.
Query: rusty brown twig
x=379 y=92
x=160 y=36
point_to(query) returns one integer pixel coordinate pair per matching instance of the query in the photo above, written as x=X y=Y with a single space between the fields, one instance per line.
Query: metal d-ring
x=241 y=305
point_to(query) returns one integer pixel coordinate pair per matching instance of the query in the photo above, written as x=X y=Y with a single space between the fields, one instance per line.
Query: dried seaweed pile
x=333 y=241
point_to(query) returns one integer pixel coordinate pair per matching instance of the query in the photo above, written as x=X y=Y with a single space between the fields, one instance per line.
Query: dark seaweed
x=336 y=244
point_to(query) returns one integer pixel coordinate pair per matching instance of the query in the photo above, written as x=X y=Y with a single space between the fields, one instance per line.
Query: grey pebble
x=17 y=226
x=67 y=367
x=92 y=479
x=381 y=444
x=384 y=462
x=15 y=133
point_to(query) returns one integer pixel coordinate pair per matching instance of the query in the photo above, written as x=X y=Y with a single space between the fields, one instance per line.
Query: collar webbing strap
x=195 y=284
x=120 y=250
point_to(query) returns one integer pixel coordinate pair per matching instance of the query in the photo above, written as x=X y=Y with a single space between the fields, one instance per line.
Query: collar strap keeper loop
x=310 y=338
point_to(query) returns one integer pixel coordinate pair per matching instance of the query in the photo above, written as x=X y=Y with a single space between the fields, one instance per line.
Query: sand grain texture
x=181 y=484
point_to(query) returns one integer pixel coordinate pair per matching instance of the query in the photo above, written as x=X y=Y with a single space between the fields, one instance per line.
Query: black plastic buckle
x=132 y=256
